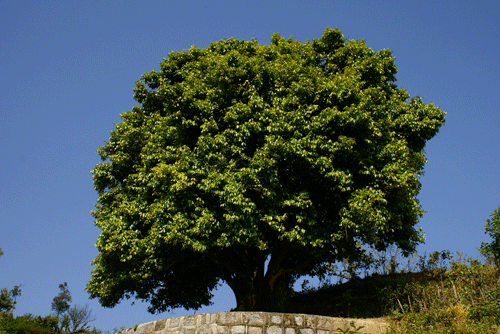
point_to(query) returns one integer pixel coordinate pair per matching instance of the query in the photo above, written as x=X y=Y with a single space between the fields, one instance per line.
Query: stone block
x=146 y=328
x=323 y=323
x=230 y=318
x=299 y=320
x=310 y=321
x=254 y=330
x=203 y=329
x=255 y=319
x=189 y=320
x=170 y=331
x=343 y=324
x=306 y=331
x=274 y=330
x=212 y=318
x=289 y=330
x=340 y=323
x=222 y=330
x=174 y=322
x=371 y=326
x=288 y=320
x=160 y=324
x=239 y=329
x=203 y=319
x=276 y=319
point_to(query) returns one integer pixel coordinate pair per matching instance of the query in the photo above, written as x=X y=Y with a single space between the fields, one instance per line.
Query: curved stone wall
x=257 y=323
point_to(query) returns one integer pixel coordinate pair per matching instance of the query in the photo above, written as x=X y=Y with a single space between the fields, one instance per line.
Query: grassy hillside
x=461 y=297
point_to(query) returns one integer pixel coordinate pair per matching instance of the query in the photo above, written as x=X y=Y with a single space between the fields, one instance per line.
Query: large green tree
x=254 y=165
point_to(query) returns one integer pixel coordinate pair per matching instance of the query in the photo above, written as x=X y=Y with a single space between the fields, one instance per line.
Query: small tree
x=492 y=250
x=74 y=318
x=60 y=303
x=8 y=297
x=80 y=317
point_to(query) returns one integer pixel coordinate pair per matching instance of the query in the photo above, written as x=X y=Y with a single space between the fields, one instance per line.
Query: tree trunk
x=258 y=290
x=261 y=295
x=255 y=288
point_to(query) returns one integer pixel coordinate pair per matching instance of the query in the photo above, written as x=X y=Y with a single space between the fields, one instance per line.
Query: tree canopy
x=8 y=297
x=60 y=303
x=254 y=165
x=492 y=250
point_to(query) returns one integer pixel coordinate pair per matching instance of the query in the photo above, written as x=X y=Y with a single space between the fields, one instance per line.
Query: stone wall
x=257 y=323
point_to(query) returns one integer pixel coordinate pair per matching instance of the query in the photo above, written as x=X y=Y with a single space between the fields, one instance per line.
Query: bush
x=489 y=309
x=492 y=250
x=27 y=324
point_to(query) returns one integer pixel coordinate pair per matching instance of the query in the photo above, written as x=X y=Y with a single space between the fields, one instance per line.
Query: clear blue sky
x=67 y=69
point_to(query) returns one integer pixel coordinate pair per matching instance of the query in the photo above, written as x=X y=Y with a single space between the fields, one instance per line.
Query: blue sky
x=67 y=70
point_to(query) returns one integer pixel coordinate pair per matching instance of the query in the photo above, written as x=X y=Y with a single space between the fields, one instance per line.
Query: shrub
x=27 y=324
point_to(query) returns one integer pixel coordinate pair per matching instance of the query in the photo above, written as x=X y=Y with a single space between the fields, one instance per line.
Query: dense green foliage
x=27 y=324
x=254 y=165
x=8 y=297
x=30 y=324
x=492 y=250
